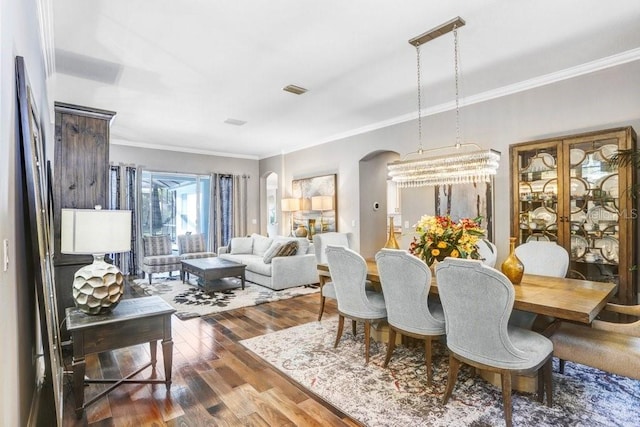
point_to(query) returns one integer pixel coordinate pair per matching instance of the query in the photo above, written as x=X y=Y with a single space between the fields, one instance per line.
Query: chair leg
x=149 y=278
x=390 y=346
x=367 y=334
x=321 y=306
x=353 y=327
x=427 y=356
x=340 y=328
x=561 y=366
x=506 y=397
x=454 y=365
x=541 y=384
x=548 y=380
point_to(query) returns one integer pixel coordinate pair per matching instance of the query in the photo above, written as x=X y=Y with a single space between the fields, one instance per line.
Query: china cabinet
x=567 y=190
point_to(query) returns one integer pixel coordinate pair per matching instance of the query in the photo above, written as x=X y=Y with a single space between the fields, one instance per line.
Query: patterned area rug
x=190 y=300
x=399 y=396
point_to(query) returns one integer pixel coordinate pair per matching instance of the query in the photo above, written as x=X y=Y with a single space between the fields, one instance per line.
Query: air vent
x=235 y=122
x=294 y=89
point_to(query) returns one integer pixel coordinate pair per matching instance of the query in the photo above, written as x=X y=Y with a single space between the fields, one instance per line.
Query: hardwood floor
x=216 y=381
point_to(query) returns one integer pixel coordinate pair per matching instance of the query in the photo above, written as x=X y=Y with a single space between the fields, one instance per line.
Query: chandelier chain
x=455 y=53
x=419 y=99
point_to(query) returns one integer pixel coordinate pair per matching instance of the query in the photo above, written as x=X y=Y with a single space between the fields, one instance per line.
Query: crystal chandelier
x=464 y=163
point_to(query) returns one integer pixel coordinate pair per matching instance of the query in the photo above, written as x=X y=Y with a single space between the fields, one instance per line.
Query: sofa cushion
x=261 y=244
x=288 y=249
x=161 y=260
x=256 y=265
x=241 y=245
x=271 y=252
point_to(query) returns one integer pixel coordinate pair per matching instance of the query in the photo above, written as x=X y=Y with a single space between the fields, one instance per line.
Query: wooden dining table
x=562 y=298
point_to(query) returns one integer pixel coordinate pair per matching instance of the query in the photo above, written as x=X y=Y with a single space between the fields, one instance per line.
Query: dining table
x=562 y=298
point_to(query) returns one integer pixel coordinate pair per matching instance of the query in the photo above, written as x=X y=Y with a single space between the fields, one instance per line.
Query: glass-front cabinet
x=567 y=190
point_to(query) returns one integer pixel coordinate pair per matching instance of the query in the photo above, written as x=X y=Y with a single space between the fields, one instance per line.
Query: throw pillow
x=261 y=244
x=241 y=245
x=271 y=252
x=288 y=249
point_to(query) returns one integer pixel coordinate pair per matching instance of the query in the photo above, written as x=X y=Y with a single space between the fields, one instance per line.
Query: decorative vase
x=432 y=267
x=301 y=231
x=312 y=228
x=392 y=243
x=512 y=267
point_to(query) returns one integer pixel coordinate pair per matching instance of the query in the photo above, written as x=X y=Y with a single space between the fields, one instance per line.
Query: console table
x=132 y=321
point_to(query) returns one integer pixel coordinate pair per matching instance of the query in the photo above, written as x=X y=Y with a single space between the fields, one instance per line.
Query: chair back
x=157 y=245
x=488 y=252
x=406 y=281
x=543 y=258
x=321 y=241
x=348 y=273
x=477 y=302
x=190 y=243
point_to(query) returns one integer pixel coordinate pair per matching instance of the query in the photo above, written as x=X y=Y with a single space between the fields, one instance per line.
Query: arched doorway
x=271 y=203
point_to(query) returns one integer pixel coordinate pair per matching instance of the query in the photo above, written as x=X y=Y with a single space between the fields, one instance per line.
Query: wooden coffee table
x=211 y=269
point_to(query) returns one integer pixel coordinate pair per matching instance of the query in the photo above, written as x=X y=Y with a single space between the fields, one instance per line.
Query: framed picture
x=38 y=221
x=318 y=204
x=467 y=201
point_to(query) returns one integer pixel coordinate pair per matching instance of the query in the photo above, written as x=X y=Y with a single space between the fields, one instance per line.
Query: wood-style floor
x=216 y=381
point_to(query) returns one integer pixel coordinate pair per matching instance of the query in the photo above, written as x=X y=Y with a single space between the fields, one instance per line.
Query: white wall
x=19 y=35
x=604 y=99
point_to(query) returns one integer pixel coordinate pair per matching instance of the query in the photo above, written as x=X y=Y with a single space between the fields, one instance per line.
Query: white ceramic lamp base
x=97 y=287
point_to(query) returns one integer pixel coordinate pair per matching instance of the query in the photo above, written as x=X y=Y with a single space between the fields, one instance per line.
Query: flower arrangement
x=440 y=237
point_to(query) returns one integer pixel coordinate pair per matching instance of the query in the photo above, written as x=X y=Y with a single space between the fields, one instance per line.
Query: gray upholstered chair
x=192 y=246
x=488 y=252
x=349 y=272
x=406 y=281
x=320 y=243
x=477 y=302
x=158 y=256
x=541 y=258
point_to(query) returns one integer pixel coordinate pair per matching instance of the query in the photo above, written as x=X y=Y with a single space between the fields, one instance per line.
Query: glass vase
x=512 y=267
x=392 y=243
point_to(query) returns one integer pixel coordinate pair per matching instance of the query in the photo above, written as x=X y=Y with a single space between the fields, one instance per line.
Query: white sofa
x=280 y=272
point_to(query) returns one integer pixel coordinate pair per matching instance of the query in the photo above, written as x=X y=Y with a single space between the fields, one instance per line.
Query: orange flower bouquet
x=440 y=237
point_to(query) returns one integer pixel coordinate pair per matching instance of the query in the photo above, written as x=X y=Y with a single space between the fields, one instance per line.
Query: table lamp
x=97 y=287
x=290 y=205
x=322 y=203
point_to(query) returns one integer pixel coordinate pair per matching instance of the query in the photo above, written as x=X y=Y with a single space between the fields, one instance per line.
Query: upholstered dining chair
x=158 y=256
x=541 y=258
x=477 y=302
x=320 y=243
x=488 y=252
x=406 y=281
x=348 y=272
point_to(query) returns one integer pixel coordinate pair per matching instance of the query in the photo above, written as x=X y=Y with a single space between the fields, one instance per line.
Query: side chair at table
x=406 y=281
x=477 y=302
x=349 y=272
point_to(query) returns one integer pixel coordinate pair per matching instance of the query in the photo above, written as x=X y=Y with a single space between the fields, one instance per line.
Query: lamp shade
x=95 y=231
x=322 y=203
x=290 y=205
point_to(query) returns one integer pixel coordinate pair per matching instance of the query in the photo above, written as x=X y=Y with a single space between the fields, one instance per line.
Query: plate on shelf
x=576 y=156
x=606 y=152
x=545 y=215
x=609 y=248
x=580 y=216
x=537 y=237
x=579 y=187
x=599 y=213
x=541 y=162
x=609 y=185
x=579 y=246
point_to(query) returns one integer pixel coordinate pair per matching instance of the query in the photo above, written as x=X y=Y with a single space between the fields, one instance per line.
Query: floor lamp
x=322 y=203
x=290 y=205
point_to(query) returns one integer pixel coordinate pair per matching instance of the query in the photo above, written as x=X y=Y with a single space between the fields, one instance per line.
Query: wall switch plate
x=353 y=222
x=254 y=221
x=406 y=224
x=5 y=256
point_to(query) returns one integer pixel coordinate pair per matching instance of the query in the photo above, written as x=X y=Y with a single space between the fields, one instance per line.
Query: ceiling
x=174 y=71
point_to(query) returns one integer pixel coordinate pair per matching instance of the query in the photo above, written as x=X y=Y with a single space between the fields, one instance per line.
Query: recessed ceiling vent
x=294 y=89
x=235 y=122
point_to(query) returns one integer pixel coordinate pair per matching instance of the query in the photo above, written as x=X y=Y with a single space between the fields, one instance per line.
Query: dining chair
x=406 y=281
x=543 y=259
x=349 y=271
x=488 y=252
x=320 y=243
x=477 y=302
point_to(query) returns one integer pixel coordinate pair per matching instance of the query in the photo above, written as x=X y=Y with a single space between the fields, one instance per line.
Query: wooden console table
x=133 y=321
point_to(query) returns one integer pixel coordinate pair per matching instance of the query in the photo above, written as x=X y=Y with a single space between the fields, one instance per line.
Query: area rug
x=191 y=301
x=399 y=396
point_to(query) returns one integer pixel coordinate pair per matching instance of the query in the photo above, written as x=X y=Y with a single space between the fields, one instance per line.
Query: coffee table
x=211 y=269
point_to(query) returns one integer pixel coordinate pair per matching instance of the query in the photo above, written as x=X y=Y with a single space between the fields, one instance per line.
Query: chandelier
x=463 y=163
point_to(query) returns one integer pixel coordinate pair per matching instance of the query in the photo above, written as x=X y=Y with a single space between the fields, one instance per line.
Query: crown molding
x=127 y=143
